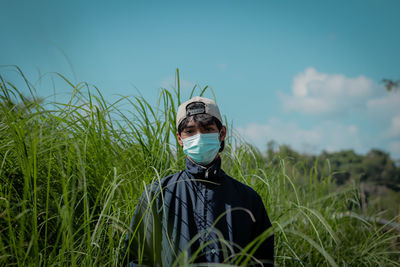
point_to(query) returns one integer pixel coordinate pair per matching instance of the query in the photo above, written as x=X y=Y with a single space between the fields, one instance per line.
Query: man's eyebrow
x=209 y=123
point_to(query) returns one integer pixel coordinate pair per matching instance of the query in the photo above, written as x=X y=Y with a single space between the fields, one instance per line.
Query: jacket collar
x=209 y=172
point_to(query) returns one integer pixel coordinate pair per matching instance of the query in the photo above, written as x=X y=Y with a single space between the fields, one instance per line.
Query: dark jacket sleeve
x=265 y=251
x=143 y=241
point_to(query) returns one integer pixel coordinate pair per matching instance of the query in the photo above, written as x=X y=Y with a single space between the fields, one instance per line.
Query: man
x=200 y=214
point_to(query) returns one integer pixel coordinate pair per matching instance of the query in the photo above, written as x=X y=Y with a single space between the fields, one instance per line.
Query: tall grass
x=71 y=175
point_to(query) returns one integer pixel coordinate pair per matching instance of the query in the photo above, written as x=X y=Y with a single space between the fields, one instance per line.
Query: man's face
x=193 y=128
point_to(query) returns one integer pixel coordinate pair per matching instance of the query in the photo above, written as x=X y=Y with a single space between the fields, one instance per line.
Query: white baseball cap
x=208 y=107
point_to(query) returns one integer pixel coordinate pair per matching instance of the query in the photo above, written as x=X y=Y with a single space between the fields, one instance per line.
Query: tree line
x=376 y=173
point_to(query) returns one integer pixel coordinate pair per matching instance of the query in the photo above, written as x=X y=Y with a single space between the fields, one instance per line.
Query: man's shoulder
x=171 y=178
x=241 y=187
x=158 y=183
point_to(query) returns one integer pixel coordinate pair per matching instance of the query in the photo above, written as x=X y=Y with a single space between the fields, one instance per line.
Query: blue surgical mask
x=202 y=148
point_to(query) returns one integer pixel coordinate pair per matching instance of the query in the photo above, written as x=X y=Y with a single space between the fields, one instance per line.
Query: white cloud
x=385 y=106
x=354 y=113
x=331 y=136
x=316 y=93
x=386 y=110
x=394 y=149
x=395 y=127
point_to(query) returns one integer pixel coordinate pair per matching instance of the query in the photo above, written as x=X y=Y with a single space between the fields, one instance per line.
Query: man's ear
x=179 y=139
x=222 y=134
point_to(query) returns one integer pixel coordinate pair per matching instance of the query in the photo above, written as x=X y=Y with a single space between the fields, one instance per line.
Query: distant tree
x=286 y=151
x=271 y=149
x=391 y=85
x=381 y=169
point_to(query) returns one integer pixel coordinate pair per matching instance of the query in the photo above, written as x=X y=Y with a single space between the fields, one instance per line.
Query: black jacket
x=200 y=213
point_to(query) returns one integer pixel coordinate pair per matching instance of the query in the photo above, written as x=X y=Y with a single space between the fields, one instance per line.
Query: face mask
x=202 y=148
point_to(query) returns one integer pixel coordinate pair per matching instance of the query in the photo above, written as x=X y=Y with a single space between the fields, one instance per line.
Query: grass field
x=71 y=174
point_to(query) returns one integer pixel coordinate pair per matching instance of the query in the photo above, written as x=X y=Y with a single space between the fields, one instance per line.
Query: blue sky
x=303 y=73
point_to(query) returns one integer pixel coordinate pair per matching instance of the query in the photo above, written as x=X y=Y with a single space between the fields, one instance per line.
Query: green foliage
x=375 y=171
x=71 y=174
x=391 y=85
